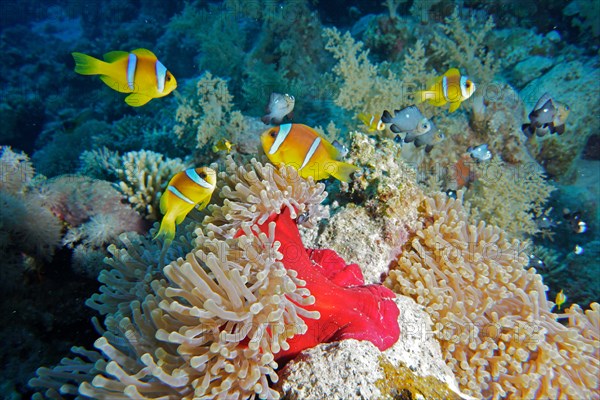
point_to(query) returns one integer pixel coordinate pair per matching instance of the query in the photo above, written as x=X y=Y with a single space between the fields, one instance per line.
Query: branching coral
x=368 y=87
x=509 y=197
x=491 y=314
x=207 y=115
x=463 y=45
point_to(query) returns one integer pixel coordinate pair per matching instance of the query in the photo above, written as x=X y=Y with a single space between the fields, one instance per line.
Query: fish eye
x=272 y=133
x=203 y=175
x=168 y=77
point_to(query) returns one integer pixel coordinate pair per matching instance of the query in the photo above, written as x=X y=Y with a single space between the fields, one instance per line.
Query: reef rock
x=352 y=369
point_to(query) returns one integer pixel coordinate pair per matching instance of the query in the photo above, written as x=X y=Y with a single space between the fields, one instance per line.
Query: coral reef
x=577 y=81
x=28 y=228
x=463 y=44
x=206 y=115
x=349 y=368
x=511 y=197
x=490 y=313
x=243 y=297
x=140 y=175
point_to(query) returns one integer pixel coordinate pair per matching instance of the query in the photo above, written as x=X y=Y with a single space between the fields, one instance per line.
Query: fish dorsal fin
x=144 y=53
x=542 y=101
x=114 y=56
x=452 y=72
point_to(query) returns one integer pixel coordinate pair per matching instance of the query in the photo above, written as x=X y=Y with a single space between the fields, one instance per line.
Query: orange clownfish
x=139 y=73
x=185 y=190
x=303 y=148
x=452 y=87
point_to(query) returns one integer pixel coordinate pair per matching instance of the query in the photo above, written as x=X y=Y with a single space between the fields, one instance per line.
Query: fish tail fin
x=166 y=230
x=342 y=171
x=87 y=65
x=528 y=130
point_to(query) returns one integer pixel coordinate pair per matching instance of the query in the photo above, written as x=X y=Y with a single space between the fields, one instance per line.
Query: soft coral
x=349 y=309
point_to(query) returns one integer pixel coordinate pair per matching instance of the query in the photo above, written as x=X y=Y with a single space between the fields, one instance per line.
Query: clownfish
x=139 y=73
x=303 y=148
x=560 y=299
x=451 y=88
x=373 y=122
x=186 y=189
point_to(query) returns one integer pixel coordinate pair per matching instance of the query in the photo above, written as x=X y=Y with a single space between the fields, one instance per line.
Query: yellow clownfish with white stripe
x=303 y=148
x=186 y=189
x=139 y=73
x=451 y=88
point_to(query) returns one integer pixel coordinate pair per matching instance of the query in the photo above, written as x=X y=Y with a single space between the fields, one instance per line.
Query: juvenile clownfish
x=303 y=148
x=139 y=73
x=222 y=145
x=560 y=299
x=451 y=88
x=372 y=122
x=185 y=190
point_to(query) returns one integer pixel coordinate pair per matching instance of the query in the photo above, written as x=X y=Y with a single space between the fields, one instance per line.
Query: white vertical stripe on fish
x=161 y=74
x=445 y=87
x=193 y=175
x=177 y=193
x=284 y=131
x=311 y=152
x=463 y=87
x=131 y=66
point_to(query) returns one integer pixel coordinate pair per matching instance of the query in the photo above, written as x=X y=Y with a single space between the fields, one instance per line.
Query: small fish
x=280 y=106
x=452 y=87
x=343 y=150
x=409 y=120
x=303 y=148
x=372 y=122
x=451 y=193
x=186 y=189
x=480 y=153
x=547 y=115
x=578 y=250
x=560 y=299
x=537 y=263
x=139 y=73
x=578 y=225
x=221 y=145
x=302 y=218
x=546 y=223
x=428 y=139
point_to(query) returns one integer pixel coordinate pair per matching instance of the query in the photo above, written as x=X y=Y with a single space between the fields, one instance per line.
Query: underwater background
x=509 y=240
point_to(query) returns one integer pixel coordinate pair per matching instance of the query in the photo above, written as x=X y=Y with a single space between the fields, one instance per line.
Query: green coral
x=510 y=197
x=463 y=44
x=206 y=115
